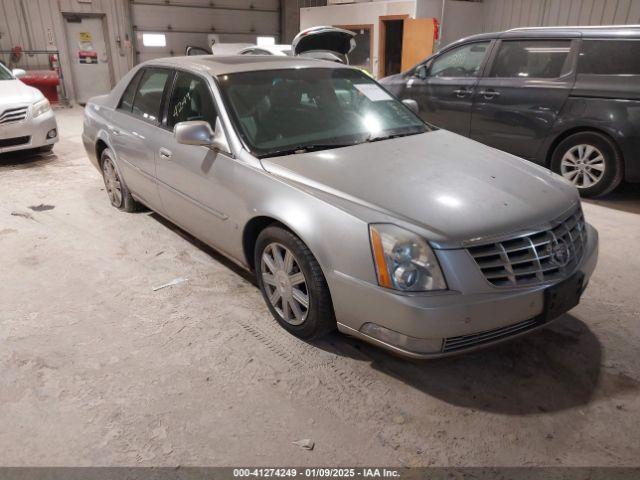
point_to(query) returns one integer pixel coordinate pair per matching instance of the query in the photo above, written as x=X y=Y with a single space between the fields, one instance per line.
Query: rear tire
x=119 y=195
x=589 y=160
x=292 y=284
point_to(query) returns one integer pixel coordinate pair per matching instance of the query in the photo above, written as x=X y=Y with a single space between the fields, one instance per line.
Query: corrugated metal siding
x=189 y=22
x=505 y=14
x=44 y=22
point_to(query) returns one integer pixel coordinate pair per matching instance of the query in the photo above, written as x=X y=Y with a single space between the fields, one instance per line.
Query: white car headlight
x=40 y=107
x=404 y=261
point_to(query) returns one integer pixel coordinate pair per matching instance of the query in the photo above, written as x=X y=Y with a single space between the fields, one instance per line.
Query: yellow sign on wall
x=85 y=37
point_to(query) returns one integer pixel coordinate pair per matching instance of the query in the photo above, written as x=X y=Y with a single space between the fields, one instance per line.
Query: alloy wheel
x=284 y=283
x=112 y=183
x=583 y=165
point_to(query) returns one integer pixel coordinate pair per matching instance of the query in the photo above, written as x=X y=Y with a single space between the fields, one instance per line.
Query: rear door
x=443 y=86
x=134 y=124
x=524 y=88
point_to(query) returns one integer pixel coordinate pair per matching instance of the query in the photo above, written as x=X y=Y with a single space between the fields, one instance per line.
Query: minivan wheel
x=118 y=193
x=590 y=161
x=292 y=284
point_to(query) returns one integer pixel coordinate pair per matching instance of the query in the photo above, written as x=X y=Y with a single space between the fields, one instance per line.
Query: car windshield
x=295 y=110
x=4 y=73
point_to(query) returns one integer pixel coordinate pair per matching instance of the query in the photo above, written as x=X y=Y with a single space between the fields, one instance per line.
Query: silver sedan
x=352 y=212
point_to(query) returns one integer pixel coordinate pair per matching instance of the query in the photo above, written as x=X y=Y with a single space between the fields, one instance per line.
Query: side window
x=126 y=102
x=610 y=57
x=464 y=61
x=148 y=97
x=191 y=100
x=531 y=59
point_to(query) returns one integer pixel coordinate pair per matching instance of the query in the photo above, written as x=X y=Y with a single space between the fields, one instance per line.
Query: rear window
x=610 y=57
x=148 y=97
x=531 y=59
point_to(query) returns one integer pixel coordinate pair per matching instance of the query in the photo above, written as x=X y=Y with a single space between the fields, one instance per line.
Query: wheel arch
x=101 y=146
x=581 y=129
x=251 y=232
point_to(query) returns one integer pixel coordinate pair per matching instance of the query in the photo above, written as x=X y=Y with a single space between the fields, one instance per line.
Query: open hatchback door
x=324 y=42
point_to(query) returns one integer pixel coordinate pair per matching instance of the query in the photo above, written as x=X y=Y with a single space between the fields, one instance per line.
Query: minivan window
x=190 y=100
x=464 y=61
x=126 y=102
x=610 y=57
x=531 y=59
x=148 y=97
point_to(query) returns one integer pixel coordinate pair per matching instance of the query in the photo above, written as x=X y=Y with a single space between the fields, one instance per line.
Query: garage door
x=165 y=28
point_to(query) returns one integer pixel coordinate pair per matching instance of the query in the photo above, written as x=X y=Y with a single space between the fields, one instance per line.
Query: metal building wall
x=505 y=14
x=189 y=22
x=39 y=25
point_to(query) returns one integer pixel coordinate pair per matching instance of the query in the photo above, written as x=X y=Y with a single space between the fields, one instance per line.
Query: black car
x=564 y=97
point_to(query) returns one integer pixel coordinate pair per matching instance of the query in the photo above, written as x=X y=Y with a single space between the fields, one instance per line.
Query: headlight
x=40 y=107
x=404 y=261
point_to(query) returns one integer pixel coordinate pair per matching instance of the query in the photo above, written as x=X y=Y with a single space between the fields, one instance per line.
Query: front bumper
x=426 y=322
x=29 y=133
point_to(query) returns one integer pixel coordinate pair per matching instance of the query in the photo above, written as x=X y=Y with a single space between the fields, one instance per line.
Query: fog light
x=411 y=344
x=52 y=134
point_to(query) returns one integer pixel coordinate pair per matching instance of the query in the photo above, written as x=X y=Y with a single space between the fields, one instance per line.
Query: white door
x=89 y=57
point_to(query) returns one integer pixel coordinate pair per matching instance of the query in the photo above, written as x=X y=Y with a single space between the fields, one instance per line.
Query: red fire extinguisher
x=436 y=29
x=54 y=64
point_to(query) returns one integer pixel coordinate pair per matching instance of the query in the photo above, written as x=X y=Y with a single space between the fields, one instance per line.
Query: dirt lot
x=97 y=368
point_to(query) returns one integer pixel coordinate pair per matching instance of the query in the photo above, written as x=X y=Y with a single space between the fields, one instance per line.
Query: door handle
x=489 y=94
x=164 y=153
x=462 y=92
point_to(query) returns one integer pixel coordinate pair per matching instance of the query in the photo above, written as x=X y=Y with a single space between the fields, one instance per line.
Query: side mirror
x=18 y=72
x=199 y=132
x=412 y=105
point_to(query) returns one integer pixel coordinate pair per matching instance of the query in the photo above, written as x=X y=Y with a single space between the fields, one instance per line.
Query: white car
x=26 y=119
x=277 y=50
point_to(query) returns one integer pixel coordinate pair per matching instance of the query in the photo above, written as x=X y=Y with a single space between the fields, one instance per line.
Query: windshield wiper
x=373 y=138
x=305 y=149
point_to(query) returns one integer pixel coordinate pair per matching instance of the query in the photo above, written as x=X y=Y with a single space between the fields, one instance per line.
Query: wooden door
x=417 y=41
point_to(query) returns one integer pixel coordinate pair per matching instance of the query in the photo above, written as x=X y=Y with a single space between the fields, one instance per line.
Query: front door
x=518 y=100
x=443 y=87
x=89 y=56
x=190 y=177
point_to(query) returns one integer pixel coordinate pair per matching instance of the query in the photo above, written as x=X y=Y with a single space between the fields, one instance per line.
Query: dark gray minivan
x=564 y=97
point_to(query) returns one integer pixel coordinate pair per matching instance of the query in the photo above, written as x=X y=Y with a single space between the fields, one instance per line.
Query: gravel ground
x=97 y=368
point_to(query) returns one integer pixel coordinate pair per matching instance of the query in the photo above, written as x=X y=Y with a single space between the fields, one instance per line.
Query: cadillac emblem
x=560 y=253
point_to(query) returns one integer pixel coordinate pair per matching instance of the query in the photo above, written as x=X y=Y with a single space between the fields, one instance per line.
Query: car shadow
x=552 y=369
x=25 y=159
x=625 y=198
x=217 y=256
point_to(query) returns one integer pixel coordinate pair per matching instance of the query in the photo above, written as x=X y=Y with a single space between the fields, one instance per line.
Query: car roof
x=220 y=65
x=595 y=31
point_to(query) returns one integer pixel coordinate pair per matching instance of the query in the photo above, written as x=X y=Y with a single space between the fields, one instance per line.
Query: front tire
x=590 y=161
x=292 y=284
x=119 y=195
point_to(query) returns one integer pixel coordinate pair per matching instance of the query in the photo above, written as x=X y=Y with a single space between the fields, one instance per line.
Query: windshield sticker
x=373 y=92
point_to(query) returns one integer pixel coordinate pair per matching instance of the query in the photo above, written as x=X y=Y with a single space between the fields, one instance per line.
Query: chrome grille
x=534 y=258
x=451 y=344
x=15 y=114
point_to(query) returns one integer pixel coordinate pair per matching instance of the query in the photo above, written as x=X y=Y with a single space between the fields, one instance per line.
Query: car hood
x=14 y=91
x=455 y=188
